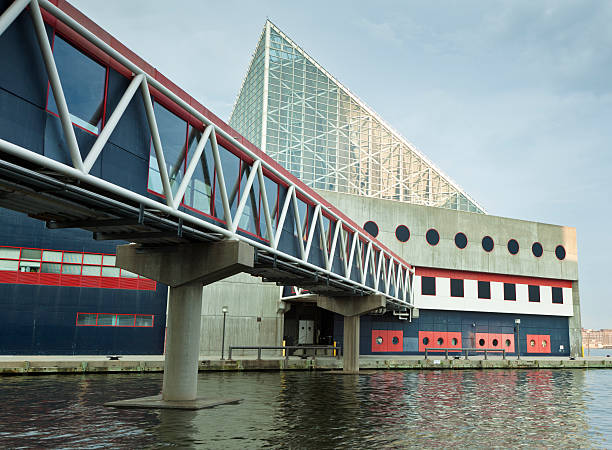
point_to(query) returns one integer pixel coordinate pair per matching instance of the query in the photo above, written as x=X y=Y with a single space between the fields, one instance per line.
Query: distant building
x=597 y=338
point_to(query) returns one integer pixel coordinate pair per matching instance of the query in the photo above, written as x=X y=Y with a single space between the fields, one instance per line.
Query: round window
x=379 y=340
x=544 y=344
x=495 y=342
x=461 y=240
x=508 y=342
x=440 y=341
x=481 y=342
x=425 y=340
x=513 y=246
x=487 y=244
x=395 y=340
x=454 y=341
x=402 y=233
x=371 y=228
x=532 y=343
x=560 y=252
x=432 y=237
x=537 y=249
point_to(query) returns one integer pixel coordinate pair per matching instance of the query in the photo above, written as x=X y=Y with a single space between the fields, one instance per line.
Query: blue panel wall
x=468 y=323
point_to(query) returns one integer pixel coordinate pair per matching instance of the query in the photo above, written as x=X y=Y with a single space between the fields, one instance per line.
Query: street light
x=518 y=338
x=224 y=310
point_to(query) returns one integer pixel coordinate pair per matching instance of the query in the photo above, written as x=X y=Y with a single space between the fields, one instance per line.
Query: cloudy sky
x=512 y=99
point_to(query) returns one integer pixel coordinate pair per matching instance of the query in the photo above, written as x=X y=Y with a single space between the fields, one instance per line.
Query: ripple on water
x=545 y=408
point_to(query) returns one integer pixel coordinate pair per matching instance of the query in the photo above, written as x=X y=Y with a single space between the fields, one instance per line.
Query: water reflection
x=561 y=408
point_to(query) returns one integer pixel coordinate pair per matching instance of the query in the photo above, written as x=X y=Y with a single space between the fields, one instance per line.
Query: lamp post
x=224 y=309
x=517 y=323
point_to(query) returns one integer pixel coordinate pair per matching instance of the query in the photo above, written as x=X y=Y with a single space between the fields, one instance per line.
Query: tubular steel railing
x=337 y=350
x=465 y=351
x=349 y=255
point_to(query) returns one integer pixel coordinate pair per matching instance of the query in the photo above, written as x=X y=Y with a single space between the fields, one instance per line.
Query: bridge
x=195 y=209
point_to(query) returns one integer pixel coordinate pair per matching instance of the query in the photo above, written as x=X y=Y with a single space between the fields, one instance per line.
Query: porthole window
x=532 y=343
x=461 y=240
x=402 y=233
x=371 y=228
x=481 y=342
x=425 y=340
x=454 y=341
x=560 y=252
x=513 y=246
x=379 y=340
x=537 y=249
x=508 y=342
x=544 y=344
x=440 y=341
x=432 y=237
x=487 y=244
x=495 y=342
x=395 y=340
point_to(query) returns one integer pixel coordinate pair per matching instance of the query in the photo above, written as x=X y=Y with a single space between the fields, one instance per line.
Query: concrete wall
x=388 y=214
x=252 y=318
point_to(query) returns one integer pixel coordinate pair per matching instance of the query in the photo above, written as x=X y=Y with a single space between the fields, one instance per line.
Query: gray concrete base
x=156 y=402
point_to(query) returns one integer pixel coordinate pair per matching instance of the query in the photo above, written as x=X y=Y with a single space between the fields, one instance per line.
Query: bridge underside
x=62 y=203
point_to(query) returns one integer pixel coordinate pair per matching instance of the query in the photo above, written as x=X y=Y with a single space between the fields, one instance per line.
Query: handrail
x=466 y=350
x=259 y=348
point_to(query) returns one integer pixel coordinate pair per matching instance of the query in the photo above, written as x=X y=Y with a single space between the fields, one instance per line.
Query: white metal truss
x=358 y=251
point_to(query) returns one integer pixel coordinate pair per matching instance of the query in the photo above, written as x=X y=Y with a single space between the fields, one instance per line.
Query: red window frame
x=116 y=320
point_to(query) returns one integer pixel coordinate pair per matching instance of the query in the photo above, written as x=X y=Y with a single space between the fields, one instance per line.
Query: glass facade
x=323 y=134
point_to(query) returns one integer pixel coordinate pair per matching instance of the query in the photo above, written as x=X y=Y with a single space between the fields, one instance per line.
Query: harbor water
x=469 y=408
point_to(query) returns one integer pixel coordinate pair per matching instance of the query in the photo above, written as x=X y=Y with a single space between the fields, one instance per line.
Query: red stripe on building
x=484 y=276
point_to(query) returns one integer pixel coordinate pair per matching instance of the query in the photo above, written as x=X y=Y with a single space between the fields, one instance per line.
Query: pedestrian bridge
x=92 y=137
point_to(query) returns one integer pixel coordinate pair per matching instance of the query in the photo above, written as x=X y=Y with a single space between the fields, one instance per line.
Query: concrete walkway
x=41 y=364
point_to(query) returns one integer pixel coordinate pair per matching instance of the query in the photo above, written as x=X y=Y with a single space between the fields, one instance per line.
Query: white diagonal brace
x=343 y=250
x=112 y=122
x=311 y=232
x=366 y=265
x=11 y=13
x=334 y=244
x=245 y=195
x=157 y=145
x=351 y=255
x=56 y=86
x=193 y=163
x=324 y=237
x=298 y=224
x=227 y=212
x=265 y=204
x=283 y=216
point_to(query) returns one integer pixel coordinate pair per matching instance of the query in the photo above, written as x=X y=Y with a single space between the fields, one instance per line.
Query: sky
x=511 y=99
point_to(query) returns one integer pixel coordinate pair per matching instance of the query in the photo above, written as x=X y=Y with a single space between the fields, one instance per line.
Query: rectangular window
x=456 y=287
x=557 y=295
x=484 y=289
x=114 y=320
x=428 y=285
x=509 y=291
x=534 y=293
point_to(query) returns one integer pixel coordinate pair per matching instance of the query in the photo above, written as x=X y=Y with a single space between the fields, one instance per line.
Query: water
x=543 y=408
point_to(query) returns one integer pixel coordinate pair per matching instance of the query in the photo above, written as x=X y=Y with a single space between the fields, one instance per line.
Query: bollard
x=485 y=353
x=258 y=352
x=446 y=353
x=334 y=348
x=284 y=350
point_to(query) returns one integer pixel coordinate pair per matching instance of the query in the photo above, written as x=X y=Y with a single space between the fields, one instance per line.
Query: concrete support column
x=350 y=348
x=183 y=343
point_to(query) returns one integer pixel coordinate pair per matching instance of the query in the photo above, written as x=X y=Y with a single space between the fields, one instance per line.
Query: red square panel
x=379 y=340
x=395 y=341
x=508 y=342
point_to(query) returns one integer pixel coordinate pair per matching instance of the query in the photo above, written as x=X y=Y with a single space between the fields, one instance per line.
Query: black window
x=560 y=252
x=557 y=295
x=456 y=287
x=484 y=289
x=402 y=233
x=487 y=243
x=534 y=293
x=432 y=237
x=428 y=285
x=509 y=291
x=199 y=192
x=537 y=249
x=83 y=81
x=371 y=228
x=513 y=246
x=461 y=240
